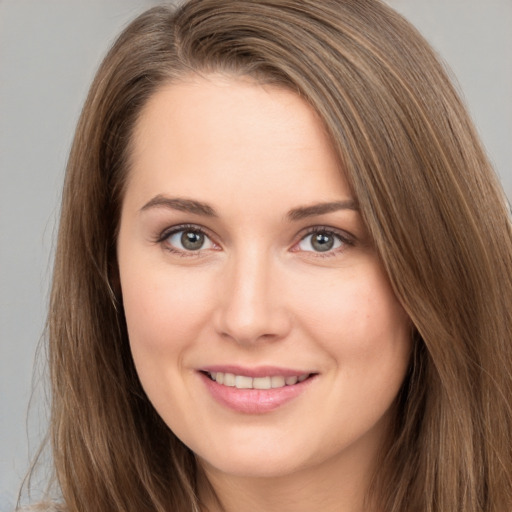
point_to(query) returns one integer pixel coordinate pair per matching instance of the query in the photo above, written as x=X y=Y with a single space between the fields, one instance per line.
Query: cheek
x=358 y=321
x=165 y=313
x=164 y=310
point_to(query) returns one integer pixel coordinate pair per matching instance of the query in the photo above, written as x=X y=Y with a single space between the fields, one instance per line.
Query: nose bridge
x=252 y=308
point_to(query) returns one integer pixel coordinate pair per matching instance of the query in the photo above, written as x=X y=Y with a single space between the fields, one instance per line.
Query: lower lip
x=254 y=401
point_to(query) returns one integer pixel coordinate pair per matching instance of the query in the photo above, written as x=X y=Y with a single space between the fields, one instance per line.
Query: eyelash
x=343 y=237
x=167 y=233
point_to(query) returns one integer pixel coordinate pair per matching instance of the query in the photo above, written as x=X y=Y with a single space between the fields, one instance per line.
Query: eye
x=187 y=239
x=323 y=241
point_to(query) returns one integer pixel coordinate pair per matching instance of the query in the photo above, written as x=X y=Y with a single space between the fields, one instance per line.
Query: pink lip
x=254 y=401
x=259 y=371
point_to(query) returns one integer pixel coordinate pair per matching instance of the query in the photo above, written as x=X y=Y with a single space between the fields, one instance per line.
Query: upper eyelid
x=344 y=235
x=167 y=232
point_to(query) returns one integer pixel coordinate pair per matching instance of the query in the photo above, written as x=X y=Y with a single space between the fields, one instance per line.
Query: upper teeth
x=243 y=382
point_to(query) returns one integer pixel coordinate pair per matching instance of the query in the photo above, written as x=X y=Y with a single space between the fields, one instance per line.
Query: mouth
x=255 y=390
x=245 y=382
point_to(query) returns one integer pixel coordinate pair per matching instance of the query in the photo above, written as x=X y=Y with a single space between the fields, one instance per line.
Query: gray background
x=49 y=50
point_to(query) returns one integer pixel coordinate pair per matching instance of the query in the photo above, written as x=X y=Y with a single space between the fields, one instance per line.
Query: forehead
x=199 y=134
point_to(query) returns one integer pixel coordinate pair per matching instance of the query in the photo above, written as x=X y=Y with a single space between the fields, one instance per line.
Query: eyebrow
x=304 y=212
x=204 y=209
x=180 y=204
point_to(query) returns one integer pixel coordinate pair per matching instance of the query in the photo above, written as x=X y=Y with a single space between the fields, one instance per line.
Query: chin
x=258 y=462
x=251 y=468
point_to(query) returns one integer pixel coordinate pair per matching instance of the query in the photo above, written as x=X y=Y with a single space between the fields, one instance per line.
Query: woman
x=283 y=275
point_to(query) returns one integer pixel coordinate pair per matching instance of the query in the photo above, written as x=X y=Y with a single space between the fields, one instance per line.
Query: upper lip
x=256 y=371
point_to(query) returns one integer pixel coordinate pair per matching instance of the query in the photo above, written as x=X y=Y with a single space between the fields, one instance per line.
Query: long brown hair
x=427 y=195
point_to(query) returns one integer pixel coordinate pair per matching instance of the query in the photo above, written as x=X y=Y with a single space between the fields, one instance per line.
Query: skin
x=258 y=292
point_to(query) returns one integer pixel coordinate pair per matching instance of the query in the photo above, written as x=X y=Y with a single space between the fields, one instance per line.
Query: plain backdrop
x=49 y=50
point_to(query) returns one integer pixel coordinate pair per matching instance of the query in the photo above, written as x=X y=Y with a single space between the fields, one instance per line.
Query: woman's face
x=262 y=325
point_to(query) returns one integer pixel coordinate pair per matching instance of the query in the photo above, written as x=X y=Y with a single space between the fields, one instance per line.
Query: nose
x=251 y=302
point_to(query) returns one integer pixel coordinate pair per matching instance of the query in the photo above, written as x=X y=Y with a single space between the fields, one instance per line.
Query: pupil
x=322 y=242
x=192 y=240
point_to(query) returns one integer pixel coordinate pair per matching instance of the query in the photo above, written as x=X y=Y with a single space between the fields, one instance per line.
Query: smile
x=255 y=390
x=245 y=382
